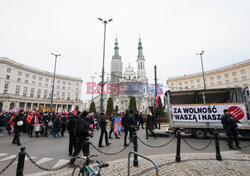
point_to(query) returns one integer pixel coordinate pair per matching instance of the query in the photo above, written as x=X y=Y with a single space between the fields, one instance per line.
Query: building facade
x=25 y=87
x=235 y=75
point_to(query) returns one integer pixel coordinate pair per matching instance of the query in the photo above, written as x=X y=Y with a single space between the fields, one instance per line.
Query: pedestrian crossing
x=30 y=169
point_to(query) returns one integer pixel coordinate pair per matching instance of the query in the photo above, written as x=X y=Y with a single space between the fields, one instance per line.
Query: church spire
x=116 y=47
x=140 y=48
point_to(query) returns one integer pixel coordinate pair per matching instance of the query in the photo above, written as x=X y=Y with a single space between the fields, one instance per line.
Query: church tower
x=141 y=73
x=116 y=65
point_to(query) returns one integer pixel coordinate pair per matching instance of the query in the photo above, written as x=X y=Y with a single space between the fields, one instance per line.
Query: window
x=17 y=89
x=19 y=73
x=219 y=83
x=32 y=92
x=77 y=88
x=40 y=84
x=34 y=77
x=45 y=92
x=6 y=85
x=7 y=76
x=172 y=84
x=27 y=75
x=63 y=87
x=242 y=72
x=25 y=89
x=244 y=78
x=63 y=94
x=69 y=88
x=38 y=93
x=226 y=75
x=58 y=82
x=192 y=82
x=68 y=94
x=8 y=70
x=46 y=79
x=186 y=82
x=180 y=83
x=26 y=82
x=180 y=88
x=58 y=87
x=192 y=87
x=69 y=83
x=227 y=82
x=198 y=80
x=58 y=93
x=172 y=89
x=46 y=85
x=235 y=80
x=245 y=85
x=19 y=80
x=234 y=73
x=40 y=78
x=77 y=84
x=212 y=83
x=33 y=82
x=211 y=78
x=199 y=86
x=218 y=76
x=205 y=79
x=64 y=83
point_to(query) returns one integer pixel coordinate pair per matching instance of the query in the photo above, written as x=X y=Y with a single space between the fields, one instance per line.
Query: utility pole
x=53 y=86
x=155 y=69
x=102 y=86
x=203 y=75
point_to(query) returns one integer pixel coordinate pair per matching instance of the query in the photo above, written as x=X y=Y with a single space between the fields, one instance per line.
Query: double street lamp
x=203 y=75
x=105 y=22
x=53 y=86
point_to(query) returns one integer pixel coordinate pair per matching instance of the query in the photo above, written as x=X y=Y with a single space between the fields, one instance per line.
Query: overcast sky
x=172 y=31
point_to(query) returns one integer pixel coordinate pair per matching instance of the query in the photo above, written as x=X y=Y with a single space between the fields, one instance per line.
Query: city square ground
x=53 y=152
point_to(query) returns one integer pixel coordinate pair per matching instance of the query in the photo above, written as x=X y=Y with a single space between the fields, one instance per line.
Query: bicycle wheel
x=77 y=171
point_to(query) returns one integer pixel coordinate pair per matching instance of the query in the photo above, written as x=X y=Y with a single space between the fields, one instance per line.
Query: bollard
x=178 y=148
x=86 y=150
x=217 y=145
x=135 y=142
x=20 y=164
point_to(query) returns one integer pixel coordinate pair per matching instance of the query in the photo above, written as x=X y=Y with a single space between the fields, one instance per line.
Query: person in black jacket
x=103 y=130
x=63 y=124
x=140 y=121
x=72 y=119
x=149 y=122
x=18 y=127
x=230 y=125
x=125 y=126
x=131 y=124
x=82 y=131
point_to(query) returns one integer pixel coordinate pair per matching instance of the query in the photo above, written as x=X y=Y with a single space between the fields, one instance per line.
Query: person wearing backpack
x=18 y=127
x=103 y=131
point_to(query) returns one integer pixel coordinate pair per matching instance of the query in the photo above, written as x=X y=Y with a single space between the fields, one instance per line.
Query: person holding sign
x=230 y=125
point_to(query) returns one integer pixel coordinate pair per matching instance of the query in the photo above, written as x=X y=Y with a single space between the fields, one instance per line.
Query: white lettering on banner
x=208 y=113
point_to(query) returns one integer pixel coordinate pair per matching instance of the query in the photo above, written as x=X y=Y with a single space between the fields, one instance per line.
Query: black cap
x=225 y=110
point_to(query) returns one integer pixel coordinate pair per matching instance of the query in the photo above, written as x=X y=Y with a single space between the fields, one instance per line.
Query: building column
x=6 y=106
x=25 y=106
x=31 y=106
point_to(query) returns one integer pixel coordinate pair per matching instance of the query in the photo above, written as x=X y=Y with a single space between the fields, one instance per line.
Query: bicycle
x=86 y=170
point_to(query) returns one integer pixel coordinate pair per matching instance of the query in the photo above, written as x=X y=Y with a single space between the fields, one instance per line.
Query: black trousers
x=63 y=129
x=72 y=143
x=140 y=123
x=110 y=132
x=16 y=138
x=232 y=135
x=126 y=135
x=80 y=145
x=103 y=131
x=46 y=128
x=150 y=129
x=158 y=122
x=30 y=130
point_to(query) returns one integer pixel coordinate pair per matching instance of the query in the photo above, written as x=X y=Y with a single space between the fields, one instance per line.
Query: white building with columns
x=25 y=87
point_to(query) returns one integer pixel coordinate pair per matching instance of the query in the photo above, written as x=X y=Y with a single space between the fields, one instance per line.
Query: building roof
x=214 y=71
x=13 y=63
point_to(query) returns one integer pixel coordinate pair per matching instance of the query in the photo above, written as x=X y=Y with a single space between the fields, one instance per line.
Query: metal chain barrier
x=42 y=168
x=105 y=153
x=153 y=146
x=11 y=162
x=199 y=149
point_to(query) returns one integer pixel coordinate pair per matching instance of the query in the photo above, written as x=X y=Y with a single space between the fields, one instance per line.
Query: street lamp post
x=92 y=84
x=202 y=53
x=53 y=86
x=105 y=22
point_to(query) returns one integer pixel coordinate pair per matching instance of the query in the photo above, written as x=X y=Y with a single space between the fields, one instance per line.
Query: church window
x=141 y=65
x=138 y=66
x=128 y=77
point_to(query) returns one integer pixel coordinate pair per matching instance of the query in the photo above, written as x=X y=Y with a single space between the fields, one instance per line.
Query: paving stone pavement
x=196 y=164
